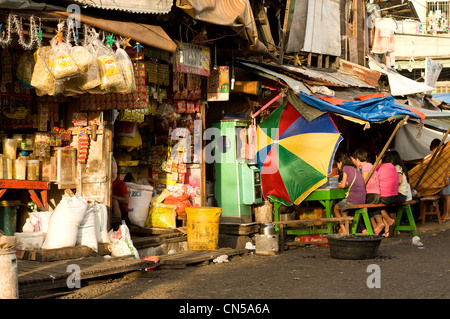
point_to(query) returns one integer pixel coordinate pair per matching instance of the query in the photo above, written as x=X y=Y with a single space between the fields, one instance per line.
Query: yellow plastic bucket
x=202 y=224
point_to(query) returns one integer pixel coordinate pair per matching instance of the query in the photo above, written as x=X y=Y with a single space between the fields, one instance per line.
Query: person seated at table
x=353 y=180
x=404 y=189
x=361 y=159
x=120 y=200
x=388 y=178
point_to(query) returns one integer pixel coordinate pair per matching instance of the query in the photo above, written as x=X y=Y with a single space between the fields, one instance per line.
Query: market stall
x=77 y=100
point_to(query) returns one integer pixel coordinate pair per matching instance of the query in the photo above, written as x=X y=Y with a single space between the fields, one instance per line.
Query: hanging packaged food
x=91 y=78
x=64 y=65
x=25 y=69
x=126 y=69
x=42 y=79
x=110 y=76
x=82 y=57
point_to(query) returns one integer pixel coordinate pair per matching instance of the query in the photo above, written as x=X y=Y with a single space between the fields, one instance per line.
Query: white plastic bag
x=121 y=243
x=87 y=231
x=65 y=65
x=138 y=207
x=126 y=70
x=110 y=76
x=43 y=220
x=64 y=223
x=91 y=78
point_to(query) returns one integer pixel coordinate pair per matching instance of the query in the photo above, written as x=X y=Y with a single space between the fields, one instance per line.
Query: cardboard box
x=312 y=213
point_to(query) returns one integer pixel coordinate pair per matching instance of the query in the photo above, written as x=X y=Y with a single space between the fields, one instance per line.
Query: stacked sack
x=74 y=222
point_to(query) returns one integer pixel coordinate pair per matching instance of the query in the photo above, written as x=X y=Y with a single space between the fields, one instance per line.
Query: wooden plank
x=180 y=260
x=56 y=254
x=239 y=229
x=40 y=276
x=23 y=184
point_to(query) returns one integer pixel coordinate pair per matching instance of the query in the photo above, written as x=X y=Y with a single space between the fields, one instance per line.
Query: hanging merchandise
x=25 y=69
x=91 y=77
x=126 y=70
x=219 y=84
x=64 y=64
x=83 y=145
x=42 y=79
x=110 y=76
x=82 y=57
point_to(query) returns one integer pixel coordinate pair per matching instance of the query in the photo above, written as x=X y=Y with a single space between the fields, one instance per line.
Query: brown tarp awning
x=146 y=34
x=236 y=14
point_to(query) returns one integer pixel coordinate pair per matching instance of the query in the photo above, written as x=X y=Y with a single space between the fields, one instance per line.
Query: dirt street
x=406 y=271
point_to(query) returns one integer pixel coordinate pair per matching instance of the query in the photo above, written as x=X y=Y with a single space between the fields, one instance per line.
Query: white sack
x=64 y=223
x=87 y=231
x=138 y=207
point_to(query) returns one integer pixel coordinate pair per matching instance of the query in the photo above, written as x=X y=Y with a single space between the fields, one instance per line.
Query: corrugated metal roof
x=140 y=6
x=294 y=84
x=339 y=78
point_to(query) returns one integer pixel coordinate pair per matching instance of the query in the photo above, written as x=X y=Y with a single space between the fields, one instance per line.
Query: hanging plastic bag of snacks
x=126 y=69
x=25 y=69
x=42 y=79
x=64 y=65
x=82 y=57
x=110 y=76
x=91 y=78
x=72 y=86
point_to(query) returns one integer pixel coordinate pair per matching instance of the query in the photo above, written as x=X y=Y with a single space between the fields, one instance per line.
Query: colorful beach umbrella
x=294 y=155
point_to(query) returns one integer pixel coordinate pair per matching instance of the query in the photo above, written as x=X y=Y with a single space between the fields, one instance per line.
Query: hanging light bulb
x=215 y=57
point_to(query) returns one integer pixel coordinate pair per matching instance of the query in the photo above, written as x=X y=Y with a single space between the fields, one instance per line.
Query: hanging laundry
x=384 y=36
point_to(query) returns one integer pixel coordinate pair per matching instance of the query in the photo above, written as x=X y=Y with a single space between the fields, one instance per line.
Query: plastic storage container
x=10 y=147
x=33 y=170
x=202 y=224
x=8 y=216
x=20 y=169
x=66 y=166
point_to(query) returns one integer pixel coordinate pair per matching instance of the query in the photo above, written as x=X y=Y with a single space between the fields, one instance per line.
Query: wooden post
x=203 y=164
x=399 y=124
x=438 y=150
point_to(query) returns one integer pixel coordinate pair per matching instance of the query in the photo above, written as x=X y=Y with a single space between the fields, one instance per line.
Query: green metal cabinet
x=237 y=184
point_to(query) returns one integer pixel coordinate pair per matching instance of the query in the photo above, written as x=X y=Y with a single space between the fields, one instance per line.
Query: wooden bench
x=285 y=223
x=364 y=211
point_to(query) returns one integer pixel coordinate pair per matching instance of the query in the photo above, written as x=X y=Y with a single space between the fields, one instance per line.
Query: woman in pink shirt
x=388 y=177
x=373 y=196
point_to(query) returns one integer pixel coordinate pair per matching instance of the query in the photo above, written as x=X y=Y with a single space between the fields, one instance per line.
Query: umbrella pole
x=399 y=124
x=438 y=150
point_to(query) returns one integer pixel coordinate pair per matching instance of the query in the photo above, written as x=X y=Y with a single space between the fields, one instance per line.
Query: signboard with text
x=193 y=59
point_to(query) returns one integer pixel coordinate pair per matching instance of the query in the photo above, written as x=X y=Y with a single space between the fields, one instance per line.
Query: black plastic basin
x=353 y=246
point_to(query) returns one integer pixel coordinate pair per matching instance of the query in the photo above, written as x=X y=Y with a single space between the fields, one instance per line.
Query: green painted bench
x=363 y=210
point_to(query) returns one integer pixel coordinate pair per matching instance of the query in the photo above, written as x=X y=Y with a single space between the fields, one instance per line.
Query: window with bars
x=437 y=16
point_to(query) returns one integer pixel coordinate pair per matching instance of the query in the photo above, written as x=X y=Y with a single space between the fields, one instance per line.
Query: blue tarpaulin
x=443 y=96
x=376 y=109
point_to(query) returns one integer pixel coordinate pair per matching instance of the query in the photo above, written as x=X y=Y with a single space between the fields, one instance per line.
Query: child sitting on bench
x=351 y=178
x=373 y=196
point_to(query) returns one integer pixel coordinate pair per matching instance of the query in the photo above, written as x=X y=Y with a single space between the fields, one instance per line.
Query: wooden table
x=31 y=186
x=326 y=197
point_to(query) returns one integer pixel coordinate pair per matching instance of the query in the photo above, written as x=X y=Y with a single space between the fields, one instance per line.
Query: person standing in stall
x=361 y=159
x=353 y=180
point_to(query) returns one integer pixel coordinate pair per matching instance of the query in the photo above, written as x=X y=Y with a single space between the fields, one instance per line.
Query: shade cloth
x=375 y=109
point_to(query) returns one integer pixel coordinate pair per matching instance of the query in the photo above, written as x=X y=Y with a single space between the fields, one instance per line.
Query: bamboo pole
x=399 y=124
x=435 y=154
